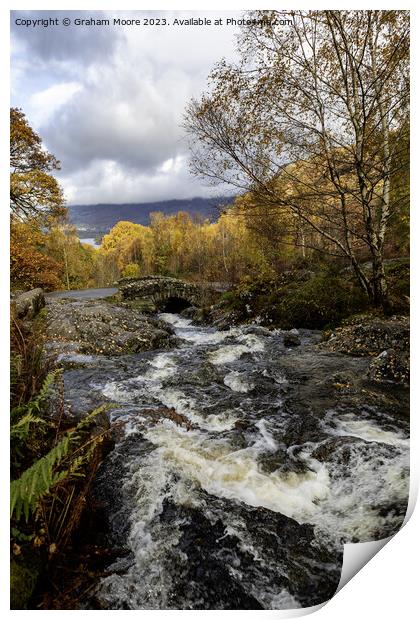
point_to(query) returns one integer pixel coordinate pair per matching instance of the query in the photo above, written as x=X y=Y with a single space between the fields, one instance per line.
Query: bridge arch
x=162 y=293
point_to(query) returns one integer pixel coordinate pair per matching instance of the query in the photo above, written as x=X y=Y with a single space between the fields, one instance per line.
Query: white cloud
x=107 y=181
x=45 y=103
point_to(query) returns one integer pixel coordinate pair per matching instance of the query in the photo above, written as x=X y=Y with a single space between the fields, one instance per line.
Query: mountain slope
x=100 y=218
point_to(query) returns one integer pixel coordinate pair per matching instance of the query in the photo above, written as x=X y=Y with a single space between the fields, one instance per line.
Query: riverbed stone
x=291 y=339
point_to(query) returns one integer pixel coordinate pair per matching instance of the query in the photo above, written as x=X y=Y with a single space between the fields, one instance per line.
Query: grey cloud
x=129 y=118
x=104 y=182
x=65 y=44
x=113 y=135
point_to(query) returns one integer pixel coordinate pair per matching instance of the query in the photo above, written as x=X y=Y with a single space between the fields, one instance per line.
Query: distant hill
x=96 y=220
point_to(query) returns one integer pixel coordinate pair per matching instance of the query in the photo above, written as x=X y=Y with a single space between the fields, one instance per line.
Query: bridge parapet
x=161 y=290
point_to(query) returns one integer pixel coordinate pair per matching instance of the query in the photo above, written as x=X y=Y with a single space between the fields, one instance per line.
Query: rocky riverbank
x=386 y=340
x=103 y=328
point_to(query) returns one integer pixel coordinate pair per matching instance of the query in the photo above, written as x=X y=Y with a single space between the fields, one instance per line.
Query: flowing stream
x=246 y=502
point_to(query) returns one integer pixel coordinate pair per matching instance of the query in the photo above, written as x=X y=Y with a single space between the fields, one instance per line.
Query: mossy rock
x=23 y=579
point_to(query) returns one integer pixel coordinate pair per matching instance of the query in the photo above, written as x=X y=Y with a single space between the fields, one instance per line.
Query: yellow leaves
x=132 y=270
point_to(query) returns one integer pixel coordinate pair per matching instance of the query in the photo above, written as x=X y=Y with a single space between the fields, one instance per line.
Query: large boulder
x=386 y=340
x=98 y=327
x=28 y=304
x=390 y=366
x=371 y=336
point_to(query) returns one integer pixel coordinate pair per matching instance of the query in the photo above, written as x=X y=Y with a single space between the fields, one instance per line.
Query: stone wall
x=159 y=289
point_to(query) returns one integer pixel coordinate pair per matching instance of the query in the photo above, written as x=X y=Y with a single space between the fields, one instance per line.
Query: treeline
x=177 y=245
x=242 y=242
x=184 y=247
x=252 y=237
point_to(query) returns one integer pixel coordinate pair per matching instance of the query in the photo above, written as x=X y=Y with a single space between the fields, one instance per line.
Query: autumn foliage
x=30 y=267
x=34 y=192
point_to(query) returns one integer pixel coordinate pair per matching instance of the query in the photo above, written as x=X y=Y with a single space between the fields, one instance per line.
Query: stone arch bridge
x=164 y=294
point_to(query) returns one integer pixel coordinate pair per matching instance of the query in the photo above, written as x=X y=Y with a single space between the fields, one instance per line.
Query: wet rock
x=62 y=328
x=205 y=373
x=224 y=322
x=190 y=313
x=100 y=327
x=337 y=447
x=258 y=330
x=301 y=428
x=390 y=366
x=28 y=304
x=340 y=380
x=387 y=340
x=242 y=424
x=109 y=494
x=291 y=338
x=280 y=555
x=170 y=414
x=281 y=461
x=204 y=581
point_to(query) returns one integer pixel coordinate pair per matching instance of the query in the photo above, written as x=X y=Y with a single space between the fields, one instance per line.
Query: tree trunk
x=379 y=285
x=66 y=268
x=362 y=279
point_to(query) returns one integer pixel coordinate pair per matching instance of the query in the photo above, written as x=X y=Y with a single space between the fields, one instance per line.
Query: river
x=246 y=503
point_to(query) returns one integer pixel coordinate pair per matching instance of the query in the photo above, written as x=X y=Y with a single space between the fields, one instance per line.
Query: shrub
x=398 y=278
x=132 y=270
x=321 y=301
x=299 y=298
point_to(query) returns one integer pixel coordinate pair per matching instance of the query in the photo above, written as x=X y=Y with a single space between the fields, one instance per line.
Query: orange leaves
x=29 y=268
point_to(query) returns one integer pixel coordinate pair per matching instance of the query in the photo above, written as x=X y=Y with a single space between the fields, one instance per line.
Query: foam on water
x=237 y=382
x=197 y=335
x=235 y=474
x=186 y=405
x=231 y=353
x=364 y=478
x=266 y=441
x=147 y=582
x=349 y=497
x=163 y=366
x=366 y=429
x=175 y=319
x=130 y=390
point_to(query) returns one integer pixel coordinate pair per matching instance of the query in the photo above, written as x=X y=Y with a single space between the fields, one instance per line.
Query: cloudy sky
x=108 y=101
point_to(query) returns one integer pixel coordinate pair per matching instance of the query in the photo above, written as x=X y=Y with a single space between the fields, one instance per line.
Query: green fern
x=38 y=480
x=20 y=430
x=35 y=405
